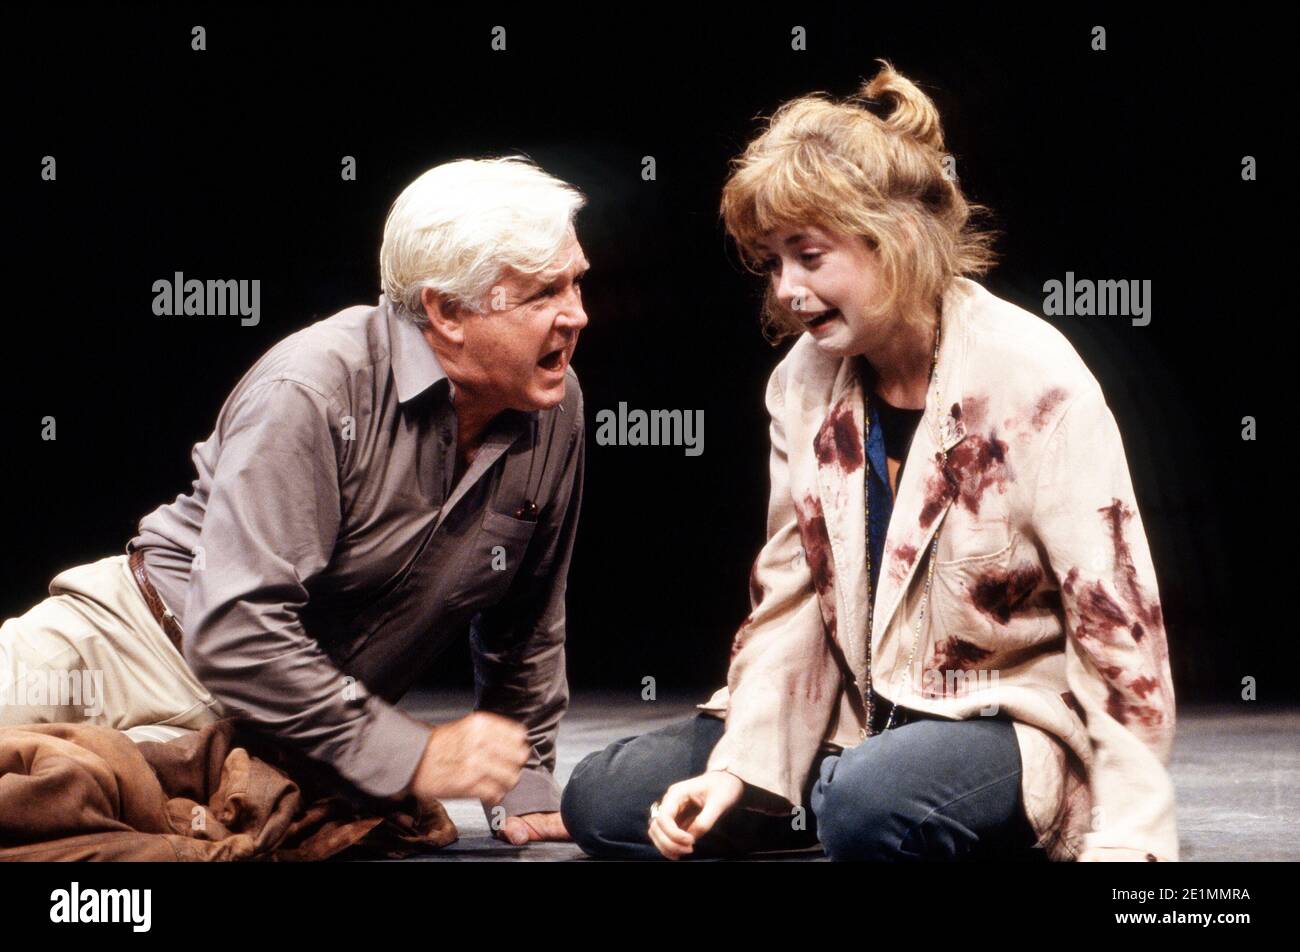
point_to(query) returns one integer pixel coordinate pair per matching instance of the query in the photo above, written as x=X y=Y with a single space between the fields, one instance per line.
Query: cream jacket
x=1043 y=606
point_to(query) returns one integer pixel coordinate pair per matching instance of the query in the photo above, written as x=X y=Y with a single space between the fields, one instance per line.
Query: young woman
x=956 y=646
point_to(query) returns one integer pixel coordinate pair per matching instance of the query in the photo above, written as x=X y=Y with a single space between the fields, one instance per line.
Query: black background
x=226 y=164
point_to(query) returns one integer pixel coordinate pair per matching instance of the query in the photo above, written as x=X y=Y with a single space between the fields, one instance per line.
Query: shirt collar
x=415 y=365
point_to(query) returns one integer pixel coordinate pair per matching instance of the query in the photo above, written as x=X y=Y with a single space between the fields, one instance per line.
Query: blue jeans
x=926 y=789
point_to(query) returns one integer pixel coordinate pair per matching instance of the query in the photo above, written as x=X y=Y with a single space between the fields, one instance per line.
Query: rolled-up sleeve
x=518 y=645
x=271 y=521
x=1117 y=657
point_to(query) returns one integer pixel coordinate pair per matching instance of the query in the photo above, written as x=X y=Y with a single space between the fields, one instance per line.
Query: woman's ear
x=446 y=319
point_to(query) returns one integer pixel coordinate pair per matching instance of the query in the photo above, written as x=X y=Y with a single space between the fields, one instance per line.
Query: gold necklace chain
x=934 y=546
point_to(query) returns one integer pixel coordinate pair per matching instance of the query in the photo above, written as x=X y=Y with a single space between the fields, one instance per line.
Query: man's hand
x=479 y=756
x=532 y=828
x=689 y=809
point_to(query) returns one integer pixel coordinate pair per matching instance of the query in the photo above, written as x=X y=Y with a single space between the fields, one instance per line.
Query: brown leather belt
x=151 y=598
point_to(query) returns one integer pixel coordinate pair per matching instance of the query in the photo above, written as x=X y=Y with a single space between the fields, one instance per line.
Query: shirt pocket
x=490 y=561
x=452 y=584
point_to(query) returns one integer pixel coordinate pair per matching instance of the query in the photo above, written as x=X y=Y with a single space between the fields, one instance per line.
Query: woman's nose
x=790 y=290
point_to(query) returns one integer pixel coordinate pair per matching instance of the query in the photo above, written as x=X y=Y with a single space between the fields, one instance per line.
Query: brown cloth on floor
x=88 y=792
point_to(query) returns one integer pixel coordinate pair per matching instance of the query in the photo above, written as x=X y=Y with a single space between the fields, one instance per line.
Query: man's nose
x=573 y=316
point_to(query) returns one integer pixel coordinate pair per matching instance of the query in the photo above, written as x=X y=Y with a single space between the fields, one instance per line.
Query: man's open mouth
x=823 y=317
x=552 y=361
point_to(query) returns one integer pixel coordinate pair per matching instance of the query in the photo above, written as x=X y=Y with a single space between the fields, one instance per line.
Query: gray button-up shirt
x=323 y=555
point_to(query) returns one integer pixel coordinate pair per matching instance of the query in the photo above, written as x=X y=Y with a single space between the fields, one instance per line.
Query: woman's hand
x=689 y=809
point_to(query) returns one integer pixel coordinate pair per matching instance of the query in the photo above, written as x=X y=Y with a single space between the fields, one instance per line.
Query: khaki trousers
x=93 y=653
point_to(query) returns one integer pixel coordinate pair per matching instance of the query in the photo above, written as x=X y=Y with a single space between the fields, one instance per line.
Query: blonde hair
x=460 y=224
x=839 y=166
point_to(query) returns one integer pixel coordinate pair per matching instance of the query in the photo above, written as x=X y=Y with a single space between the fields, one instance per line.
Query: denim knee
x=583 y=806
x=933 y=790
x=855 y=818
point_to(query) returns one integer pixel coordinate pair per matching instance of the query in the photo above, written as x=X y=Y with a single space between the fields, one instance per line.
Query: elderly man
x=378 y=483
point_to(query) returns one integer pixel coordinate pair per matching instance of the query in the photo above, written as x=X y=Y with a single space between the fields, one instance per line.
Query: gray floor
x=1235 y=770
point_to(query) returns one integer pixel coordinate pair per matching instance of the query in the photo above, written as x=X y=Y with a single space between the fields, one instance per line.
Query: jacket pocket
x=991 y=611
x=966 y=538
x=962 y=636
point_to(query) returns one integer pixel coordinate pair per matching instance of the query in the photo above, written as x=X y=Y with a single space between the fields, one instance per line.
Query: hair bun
x=912 y=113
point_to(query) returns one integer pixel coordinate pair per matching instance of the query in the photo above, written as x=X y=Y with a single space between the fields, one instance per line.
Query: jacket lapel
x=925 y=491
x=841 y=467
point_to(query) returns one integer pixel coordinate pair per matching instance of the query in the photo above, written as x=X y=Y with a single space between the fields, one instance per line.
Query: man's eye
x=768 y=265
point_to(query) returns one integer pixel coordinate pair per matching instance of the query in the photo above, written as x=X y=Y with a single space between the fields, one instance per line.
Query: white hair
x=460 y=224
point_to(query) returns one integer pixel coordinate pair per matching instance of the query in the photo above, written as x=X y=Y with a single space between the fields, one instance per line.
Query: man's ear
x=446 y=319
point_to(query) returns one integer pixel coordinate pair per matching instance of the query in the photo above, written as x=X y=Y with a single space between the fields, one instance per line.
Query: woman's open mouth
x=822 y=319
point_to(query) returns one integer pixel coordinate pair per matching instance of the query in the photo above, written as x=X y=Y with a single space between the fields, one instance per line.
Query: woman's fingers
x=672 y=804
x=663 y=844
x=713 y=807
x=690 y=809
x=665 y=833
x=666 y=844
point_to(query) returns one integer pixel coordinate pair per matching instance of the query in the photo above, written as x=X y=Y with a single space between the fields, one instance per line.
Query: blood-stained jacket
x=1044 y=604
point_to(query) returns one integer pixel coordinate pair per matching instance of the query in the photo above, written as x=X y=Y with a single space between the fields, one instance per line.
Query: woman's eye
x=809 y=256
x=767 y=265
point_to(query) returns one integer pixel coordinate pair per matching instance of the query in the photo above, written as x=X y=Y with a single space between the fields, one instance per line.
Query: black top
x=898 y=424
x=899 y=427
